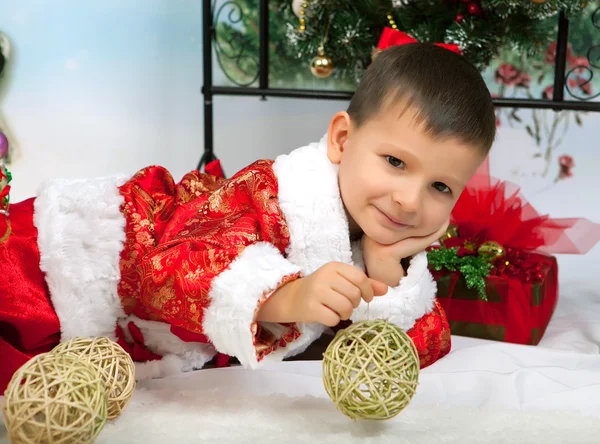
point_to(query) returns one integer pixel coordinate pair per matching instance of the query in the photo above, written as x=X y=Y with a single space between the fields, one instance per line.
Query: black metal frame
x=263 y=90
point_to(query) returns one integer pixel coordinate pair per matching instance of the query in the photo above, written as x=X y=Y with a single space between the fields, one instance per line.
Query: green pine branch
x=352 y=29
x=520 y=25
x=474 y=269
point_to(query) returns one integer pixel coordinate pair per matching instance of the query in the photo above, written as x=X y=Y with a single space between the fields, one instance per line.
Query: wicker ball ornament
x=114 y=365
x=371 y=370
x=55 y=398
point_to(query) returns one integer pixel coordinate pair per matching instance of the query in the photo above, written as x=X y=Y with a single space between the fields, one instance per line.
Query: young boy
x=257 y=266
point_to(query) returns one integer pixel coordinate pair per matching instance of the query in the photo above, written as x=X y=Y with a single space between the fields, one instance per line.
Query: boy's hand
x=383 y=261
x=328 y=296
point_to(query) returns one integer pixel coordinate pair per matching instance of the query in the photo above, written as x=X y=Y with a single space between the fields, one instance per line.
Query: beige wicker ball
x=54 y=399
x=371 y=370
x=114 y=365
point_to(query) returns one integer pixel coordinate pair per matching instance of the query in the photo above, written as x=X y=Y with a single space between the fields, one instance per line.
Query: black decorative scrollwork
x=579 y=77
x=234 y=50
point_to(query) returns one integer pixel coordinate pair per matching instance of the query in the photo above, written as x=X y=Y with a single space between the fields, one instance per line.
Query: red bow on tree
x=393 y=37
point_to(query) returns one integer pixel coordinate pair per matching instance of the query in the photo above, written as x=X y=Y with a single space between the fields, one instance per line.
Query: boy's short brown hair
x=447 y=92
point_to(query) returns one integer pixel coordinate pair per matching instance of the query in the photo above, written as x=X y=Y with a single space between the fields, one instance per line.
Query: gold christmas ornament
x=321 y=66
x=54 y=398
x=491 y=250
x=371 y=370
x=451 y=231
x=113 y=364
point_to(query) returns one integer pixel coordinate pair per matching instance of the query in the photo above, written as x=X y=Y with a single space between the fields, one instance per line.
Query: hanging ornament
x=3 y=145
x=370 y=370
x=459 y=18
x=474 y=9
x=321 y=66
x=451 y=231
x=491 y=250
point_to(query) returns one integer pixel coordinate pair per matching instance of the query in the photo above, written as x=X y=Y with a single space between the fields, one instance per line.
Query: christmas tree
x=481 y=28
x=347 y=32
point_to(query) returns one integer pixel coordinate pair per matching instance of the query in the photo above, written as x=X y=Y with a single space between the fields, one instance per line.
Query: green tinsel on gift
x=474 y=269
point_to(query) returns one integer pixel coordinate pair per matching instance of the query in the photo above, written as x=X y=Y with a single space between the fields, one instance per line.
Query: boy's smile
x=395 y=179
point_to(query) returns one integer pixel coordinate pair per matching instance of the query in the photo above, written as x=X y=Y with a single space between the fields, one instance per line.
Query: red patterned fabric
x=431 y=336
x=28 y=323
x=181 y=236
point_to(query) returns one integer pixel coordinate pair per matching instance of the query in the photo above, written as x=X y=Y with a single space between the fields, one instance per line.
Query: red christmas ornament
x=474 y=9
x=459 y=18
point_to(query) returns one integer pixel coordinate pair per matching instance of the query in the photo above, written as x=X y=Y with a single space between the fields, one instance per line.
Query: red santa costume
x=178 y=272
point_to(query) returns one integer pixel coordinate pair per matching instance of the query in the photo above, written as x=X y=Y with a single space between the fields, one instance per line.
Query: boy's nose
x=409 y=200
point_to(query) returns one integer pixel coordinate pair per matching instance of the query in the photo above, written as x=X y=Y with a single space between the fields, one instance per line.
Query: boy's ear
x=337 y=135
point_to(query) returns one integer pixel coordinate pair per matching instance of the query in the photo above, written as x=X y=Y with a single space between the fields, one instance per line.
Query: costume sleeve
x=206 y=260
x=412 y=306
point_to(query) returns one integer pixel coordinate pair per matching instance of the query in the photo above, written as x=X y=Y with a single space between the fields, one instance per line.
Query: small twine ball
x=371 y=370
x=54 y=398
x=114 y=365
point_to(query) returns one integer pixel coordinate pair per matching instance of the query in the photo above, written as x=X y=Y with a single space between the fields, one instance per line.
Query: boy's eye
x=442 y=187
x=396 y=163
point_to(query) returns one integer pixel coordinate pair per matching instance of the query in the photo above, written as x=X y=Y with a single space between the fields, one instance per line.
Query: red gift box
x=519 y=304
x=519 y=295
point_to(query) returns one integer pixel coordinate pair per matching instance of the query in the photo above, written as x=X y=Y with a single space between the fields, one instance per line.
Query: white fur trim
x=405 y=304
x=182 y=356
x=81 y=232
x=235 y=295
x=309 y=198
x=167 y=366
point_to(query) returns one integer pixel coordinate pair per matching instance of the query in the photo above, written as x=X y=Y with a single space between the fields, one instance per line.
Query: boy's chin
x=385 y=237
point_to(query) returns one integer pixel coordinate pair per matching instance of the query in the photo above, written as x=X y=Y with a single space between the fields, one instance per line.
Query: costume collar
x=309 y=197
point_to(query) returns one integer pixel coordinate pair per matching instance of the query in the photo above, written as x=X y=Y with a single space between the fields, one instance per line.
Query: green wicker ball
x=371 y=370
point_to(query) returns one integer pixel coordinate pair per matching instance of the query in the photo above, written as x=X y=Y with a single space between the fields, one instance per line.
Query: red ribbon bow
x=494 y=209
x=393 y=37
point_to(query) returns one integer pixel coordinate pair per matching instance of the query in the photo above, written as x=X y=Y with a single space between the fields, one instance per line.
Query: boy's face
x=396 y=181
